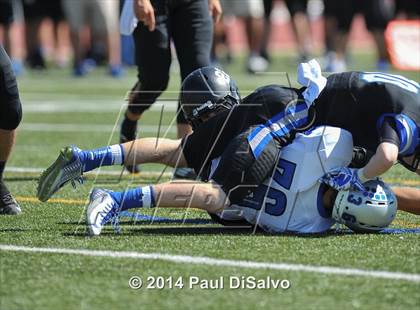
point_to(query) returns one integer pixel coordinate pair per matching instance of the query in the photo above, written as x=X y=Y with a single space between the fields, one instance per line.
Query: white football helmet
x=371 y=210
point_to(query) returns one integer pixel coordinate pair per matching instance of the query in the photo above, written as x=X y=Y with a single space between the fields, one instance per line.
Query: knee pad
x=239 y=172
x=10 y=113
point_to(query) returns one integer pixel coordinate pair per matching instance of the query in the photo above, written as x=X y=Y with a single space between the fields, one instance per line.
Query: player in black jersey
x=382 y=112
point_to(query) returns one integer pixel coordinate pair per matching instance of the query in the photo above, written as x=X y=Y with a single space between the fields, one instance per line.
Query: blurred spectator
x=36 y=11
x=377 y=14
x=300 y=26
x=102 y=17
x=12 y=32
x=221 y=50
x=407 y=9
x=251 y=12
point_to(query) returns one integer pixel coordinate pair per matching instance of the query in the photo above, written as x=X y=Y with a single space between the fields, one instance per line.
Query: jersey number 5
x=275 y=200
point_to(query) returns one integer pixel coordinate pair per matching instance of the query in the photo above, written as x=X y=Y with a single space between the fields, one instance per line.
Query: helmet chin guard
x=368 y=211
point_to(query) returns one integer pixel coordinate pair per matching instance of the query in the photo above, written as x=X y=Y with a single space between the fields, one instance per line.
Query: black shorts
x=377 y=13
x=6 y=12
x=296 y=6
x=10 y=106
x=40 y=9
x=409 y=7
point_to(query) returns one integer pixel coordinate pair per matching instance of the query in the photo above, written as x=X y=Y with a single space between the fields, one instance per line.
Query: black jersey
x=360 y=101
x=211 y=138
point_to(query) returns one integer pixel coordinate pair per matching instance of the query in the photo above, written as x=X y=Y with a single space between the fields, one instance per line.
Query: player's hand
x=145 y=13
x=343 y=179
x=215 y=9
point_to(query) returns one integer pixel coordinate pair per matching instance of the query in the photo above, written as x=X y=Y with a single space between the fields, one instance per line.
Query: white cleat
x=102 y=209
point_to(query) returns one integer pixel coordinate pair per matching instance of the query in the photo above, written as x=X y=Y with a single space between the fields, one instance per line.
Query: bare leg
x=7 y=140
x=408 y=199
x=154 y=150
x=301 y=29
x=380 y=45
x=183 y=130
x=254 y=29
x=204 y=196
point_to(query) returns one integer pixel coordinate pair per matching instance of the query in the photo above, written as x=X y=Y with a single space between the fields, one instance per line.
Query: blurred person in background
x=376 y=13
x=407 y=9
x=12 y=32
x=251 y=12
x=36 y=11
x=300 y=26
x=102 y=17
x=189 y=24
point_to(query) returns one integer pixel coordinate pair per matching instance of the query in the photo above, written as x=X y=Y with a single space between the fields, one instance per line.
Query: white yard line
x=49 y=127
x=202 y=260
x=88 y=106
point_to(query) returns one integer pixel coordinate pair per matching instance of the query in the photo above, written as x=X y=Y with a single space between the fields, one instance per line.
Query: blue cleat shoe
x=116 y=71
x=66 y=168
x=101 y=210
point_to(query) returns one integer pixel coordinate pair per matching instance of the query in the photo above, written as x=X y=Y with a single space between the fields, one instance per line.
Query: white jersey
x=291 y=200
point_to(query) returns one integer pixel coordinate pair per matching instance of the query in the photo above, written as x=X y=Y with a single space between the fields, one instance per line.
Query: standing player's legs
x=192 y=31
x=10 y=117
x=153 y=60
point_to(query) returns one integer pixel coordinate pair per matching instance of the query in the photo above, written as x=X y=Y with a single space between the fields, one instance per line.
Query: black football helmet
x=206 y=91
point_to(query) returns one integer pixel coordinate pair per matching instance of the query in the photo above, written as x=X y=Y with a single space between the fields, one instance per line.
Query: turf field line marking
x=70 y=127
x=88 y=106
x=146 y=174
x=51 y=200
x=202 y=260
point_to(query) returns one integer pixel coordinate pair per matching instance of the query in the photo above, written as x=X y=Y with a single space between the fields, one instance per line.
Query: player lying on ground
x=218 y=134
x=381 y=111
x=291 y=199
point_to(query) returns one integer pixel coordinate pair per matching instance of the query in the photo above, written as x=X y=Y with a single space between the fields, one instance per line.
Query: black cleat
x=129 y=133
x=8 y=205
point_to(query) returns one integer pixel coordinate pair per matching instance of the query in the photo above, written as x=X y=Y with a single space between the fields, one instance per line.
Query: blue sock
x=106 y=156
x=140 y=197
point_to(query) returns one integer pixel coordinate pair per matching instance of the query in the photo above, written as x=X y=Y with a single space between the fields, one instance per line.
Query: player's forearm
x=385 y=157
x=153 y=150
x=205 y=196
x=408 y=199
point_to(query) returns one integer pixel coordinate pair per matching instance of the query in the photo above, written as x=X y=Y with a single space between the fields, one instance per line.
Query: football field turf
x=48 y=262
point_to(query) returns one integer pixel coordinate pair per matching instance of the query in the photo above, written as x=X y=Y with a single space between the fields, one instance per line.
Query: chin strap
x=310 y=76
